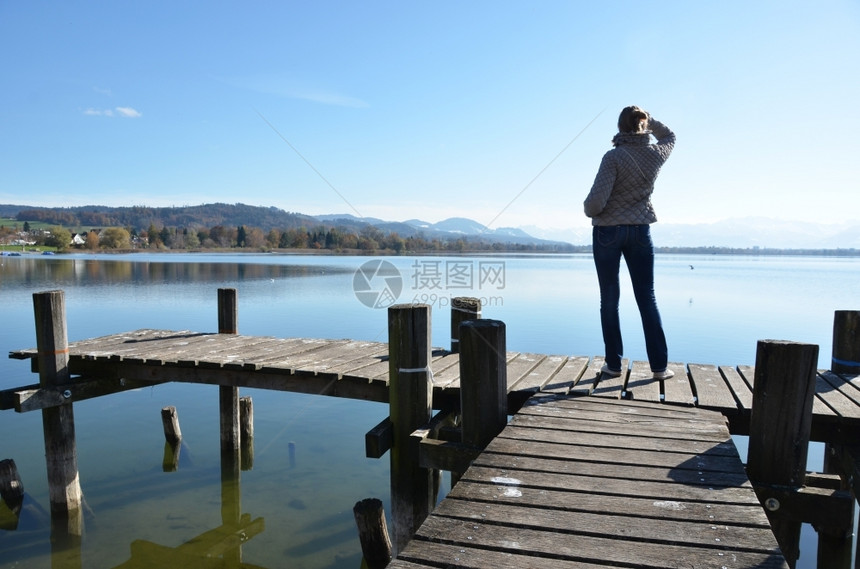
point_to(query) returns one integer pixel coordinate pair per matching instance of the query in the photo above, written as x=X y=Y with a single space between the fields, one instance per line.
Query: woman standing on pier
x=620 y=209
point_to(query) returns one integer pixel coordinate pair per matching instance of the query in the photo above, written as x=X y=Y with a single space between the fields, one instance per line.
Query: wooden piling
x=170 y=422
x=58 y=422
x=372 y=532
x=229 y=395
x=463 y=309
x=780 y=424
x=483 y=381
x=413 y=488
x=846 y=342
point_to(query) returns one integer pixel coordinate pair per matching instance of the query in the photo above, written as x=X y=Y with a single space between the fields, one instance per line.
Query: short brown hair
x=632 y=119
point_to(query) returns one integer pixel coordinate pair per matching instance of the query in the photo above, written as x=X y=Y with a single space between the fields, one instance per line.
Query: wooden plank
x=636 y=507
x=829 y=389
x=641 y=384
x=567 y=375
x=740 y=386
x=581 y=544
x=712 y=391
x=519 y=370
x=678 y=390
x=611 y=387
x=588 y=381
x=540 y=375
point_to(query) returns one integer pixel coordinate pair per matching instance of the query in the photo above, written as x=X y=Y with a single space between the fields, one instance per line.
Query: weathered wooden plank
x=581 y=544
x=559 y=519
x=641 y=384
x=421 y=553
x=611 y=387
x=831 y=390
x=567 y=375
x=539 y=376
x=739 y=384
x=663 y=508
x=593 y=423
x=665 y=474
x=712 y=391
x=678 y=390
x=588 y=381
x=520 y=368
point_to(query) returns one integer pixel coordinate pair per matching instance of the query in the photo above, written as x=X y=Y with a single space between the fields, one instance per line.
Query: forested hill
x=142 y=217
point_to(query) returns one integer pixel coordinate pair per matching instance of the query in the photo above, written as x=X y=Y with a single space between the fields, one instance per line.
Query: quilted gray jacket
x=621 y=193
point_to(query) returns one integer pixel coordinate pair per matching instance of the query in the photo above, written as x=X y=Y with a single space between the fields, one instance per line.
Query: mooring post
x=372 y=532
x=413 y=489
x=172 y=439
x=463 y=309
x=229 y=395
x=846 y=342
x=483 y=381
x=780 y=425
x=58 y=422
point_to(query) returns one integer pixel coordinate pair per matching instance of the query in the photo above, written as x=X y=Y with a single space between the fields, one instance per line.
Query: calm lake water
x=715 y=309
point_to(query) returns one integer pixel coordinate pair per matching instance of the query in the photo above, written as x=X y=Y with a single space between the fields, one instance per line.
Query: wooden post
x=483 y=381
x=170 y=422
x=846 y=342
x=172 y=439
x=228 y=395
x=246 y=430
x=463 y=309
x=780 y=424
x=58 y=422
x=410 y=402
x=231 y=501
x=372 y=532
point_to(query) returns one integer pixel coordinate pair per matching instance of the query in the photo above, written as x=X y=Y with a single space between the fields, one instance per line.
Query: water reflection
x=23 y=271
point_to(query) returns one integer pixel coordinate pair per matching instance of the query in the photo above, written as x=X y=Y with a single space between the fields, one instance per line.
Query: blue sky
x=497 y=111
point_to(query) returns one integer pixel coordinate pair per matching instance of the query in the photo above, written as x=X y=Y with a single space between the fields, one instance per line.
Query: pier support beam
x=413 y=488
x=846 y=342
x=58 y=422
x=780 y=425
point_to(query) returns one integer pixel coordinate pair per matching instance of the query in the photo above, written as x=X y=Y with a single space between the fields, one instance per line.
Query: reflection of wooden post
x=846 y=342
x=372 y=532
x=58 y=422
x=463 y=309
x=780 y=424
x=246 y=432
x=11 y=492
x=410 y=407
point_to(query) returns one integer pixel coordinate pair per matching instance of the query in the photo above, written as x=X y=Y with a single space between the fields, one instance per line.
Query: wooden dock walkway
x=359 y=370
x=582 y=482
x=590 y=472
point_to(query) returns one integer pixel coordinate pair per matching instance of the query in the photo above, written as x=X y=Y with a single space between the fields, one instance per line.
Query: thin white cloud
x=295 y=89
x=128 y=112
x=102 y=91
x=125 y=112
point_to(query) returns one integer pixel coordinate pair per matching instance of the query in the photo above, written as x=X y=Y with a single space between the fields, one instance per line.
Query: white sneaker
x=665 y=374
x=609 y=372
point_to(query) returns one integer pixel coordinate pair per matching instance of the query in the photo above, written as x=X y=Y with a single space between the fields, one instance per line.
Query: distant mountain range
x=742 y=233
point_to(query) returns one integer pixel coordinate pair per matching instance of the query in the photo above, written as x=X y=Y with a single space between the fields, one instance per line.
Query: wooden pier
x=591 y=471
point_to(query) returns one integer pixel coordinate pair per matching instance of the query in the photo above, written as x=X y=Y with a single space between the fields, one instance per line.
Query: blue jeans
x=634 y=243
